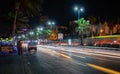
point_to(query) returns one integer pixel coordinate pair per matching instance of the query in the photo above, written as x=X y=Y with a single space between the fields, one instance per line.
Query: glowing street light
x=40 y=28
x=76 y=8
x=31 y=33
x=23 y=36
x=79 y=10
x=51 y=23
x=19 y=37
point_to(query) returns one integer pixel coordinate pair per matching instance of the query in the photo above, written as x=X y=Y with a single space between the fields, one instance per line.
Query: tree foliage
x=24 y=10
x=82 y=24
x=30 y=8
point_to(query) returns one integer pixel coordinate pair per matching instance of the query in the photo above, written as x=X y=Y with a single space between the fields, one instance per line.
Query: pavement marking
x=65 y=56
x=109 y=71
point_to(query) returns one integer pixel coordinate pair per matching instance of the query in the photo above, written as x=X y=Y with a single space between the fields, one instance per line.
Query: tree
x=22 y=22
x=82 y=25
x=71 y=28
x=46 y=33
x=29 y=8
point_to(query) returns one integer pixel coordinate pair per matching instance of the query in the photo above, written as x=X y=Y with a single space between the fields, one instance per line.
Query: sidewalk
x=12 y=64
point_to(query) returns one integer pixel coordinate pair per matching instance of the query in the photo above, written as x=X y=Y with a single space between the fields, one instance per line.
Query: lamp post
x=39 y=31
x=31 y=35
x=79 y=10
x=51 y=23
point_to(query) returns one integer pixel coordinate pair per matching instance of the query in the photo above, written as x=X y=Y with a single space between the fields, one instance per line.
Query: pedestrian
x=19 y=46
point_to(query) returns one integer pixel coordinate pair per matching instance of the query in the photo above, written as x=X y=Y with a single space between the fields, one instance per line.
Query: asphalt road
x=57 y=60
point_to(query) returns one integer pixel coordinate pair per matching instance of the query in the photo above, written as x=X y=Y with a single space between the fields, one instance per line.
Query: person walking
x=19 y=46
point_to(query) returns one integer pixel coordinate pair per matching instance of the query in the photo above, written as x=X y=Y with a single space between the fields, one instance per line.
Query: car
x=32 y=46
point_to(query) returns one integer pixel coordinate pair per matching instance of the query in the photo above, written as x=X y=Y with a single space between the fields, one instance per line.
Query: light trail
x=65 y=56
x=103 y=69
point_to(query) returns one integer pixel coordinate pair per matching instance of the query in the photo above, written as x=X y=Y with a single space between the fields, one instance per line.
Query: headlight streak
x=100 y=68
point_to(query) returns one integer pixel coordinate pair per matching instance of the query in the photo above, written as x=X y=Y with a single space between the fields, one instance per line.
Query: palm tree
x=22 y=22
x=71 y=29
x=29 y=8
x=82 y=26
x=46 y=33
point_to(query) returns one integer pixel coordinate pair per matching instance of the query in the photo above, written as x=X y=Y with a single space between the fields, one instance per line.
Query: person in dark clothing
x=19 y=46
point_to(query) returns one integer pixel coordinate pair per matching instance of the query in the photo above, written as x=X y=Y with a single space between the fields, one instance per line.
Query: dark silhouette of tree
x=25 y=9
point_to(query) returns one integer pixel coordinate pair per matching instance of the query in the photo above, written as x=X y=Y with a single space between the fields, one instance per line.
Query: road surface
x=62 y=60
x=59 y=61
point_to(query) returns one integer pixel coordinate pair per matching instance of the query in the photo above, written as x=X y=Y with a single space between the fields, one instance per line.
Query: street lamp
x=31 y=33
x=39 y=32
x=79 y=10
x=51 y=23
x=40 y=29
x=19 y=37
x=23 y=36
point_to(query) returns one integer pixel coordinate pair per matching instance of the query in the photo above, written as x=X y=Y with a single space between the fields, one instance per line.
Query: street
x=59 y=37
x=57 y=61
x=61 y=60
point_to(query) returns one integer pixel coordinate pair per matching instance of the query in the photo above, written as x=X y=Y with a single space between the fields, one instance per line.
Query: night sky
x=61 y=11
